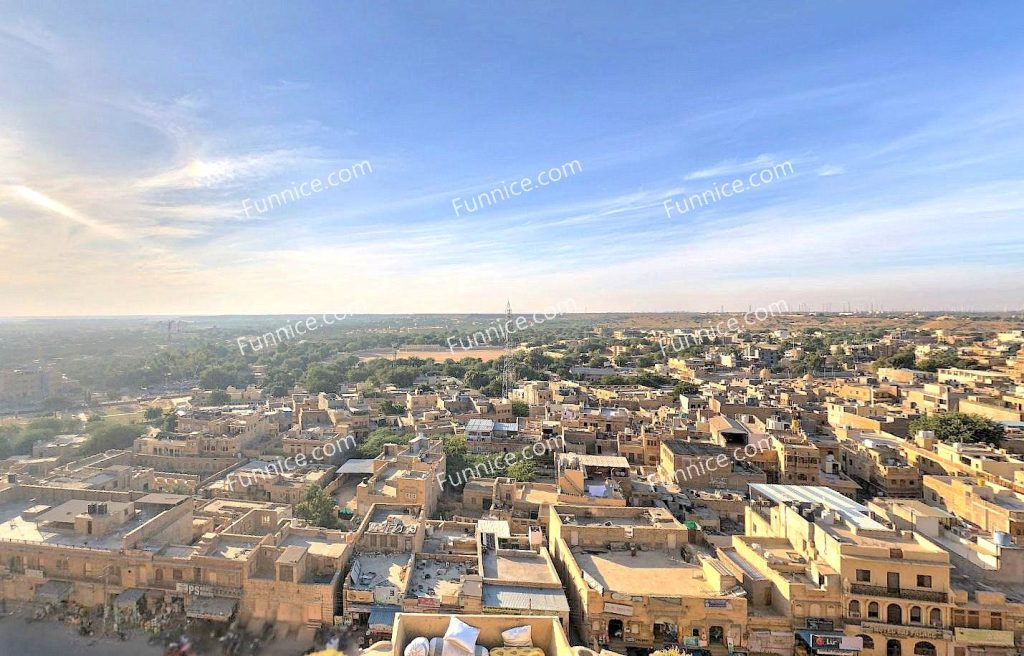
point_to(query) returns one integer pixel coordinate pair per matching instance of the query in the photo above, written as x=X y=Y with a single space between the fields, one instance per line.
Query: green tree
x=319 y=378
x=104 y=436
x=55 y=403
x=685 y=387
x=171 y=420
x=278 y=389
x=960 y=427
x=943 y=361
x=520 y=409
x=375 y=441
x=318 y=508
x=522 y=470
x=389 y=407
x=456 y=456
x=219 y=397
x=902 y=360
x=152 y=414
x=216 y=378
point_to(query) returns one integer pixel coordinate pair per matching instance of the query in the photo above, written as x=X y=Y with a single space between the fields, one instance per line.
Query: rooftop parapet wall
x=56 y=495
x=173 y=525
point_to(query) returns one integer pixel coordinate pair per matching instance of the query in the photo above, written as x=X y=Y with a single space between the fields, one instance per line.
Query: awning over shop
x=217 y=609
x=831 y=642
x=129 y=597
x=54 y=591
x=382 y=618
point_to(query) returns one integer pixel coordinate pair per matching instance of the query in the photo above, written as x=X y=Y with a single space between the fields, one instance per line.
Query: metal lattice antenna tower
x=508 y=370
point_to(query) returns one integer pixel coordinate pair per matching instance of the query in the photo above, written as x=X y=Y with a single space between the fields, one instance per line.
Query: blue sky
x=130 y=135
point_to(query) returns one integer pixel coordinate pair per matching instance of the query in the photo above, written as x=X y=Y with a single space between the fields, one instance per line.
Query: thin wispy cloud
x=732 y=167
x=53 y=206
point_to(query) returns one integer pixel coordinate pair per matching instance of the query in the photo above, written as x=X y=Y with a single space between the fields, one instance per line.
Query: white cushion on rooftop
x=461 y=634
x=518 y=636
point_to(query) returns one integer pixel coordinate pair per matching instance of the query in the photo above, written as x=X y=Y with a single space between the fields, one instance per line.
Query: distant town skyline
x=142 y=148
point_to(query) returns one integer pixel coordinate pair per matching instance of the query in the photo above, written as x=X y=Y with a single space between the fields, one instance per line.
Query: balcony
x=898 y=593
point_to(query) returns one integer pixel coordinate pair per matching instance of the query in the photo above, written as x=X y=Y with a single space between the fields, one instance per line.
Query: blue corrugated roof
x=382 y=615
x=521 y=598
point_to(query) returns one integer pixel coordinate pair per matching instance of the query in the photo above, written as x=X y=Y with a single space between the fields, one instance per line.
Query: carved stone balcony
x=898 y=593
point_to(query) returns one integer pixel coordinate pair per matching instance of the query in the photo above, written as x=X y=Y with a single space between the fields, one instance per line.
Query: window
x=176 y=574
x=924 y=581
x=873 y=610
x=863 y=576
x=924 y=649
x=896 y=554
x=854 y=609
x=869 y=642
x=935 y=617
x=915 y=614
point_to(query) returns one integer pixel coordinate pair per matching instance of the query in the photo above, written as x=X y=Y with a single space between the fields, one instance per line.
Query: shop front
x=827 y=643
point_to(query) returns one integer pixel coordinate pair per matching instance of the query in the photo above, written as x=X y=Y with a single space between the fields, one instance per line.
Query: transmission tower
x=508 y=369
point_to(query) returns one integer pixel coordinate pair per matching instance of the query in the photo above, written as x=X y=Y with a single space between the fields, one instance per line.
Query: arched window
x=854 y=608
x=894 y=614
x=893 y=648
x=924 y=649
x=869 y=642
x=935 y=617
x=873 y=610
x=915 y=614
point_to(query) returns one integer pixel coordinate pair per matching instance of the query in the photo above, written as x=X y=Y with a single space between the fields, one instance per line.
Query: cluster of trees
x=103 y=435
x=318 y=508
x=904 y=359
x=374 y=443
x=458 y=459
x=389 y=407
x=960 y=427
x=945 y=360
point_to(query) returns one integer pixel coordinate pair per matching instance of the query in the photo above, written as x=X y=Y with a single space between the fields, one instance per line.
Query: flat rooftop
x=432 y=578
x=393 y=523
x=583 y=516
x=231 y=548
x=14 y=527
x=657 y=573
x=377 y=569
x=315 y=545
x=527 y=567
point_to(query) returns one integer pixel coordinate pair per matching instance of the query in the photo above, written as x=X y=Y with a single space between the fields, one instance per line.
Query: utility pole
x=508 y=369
